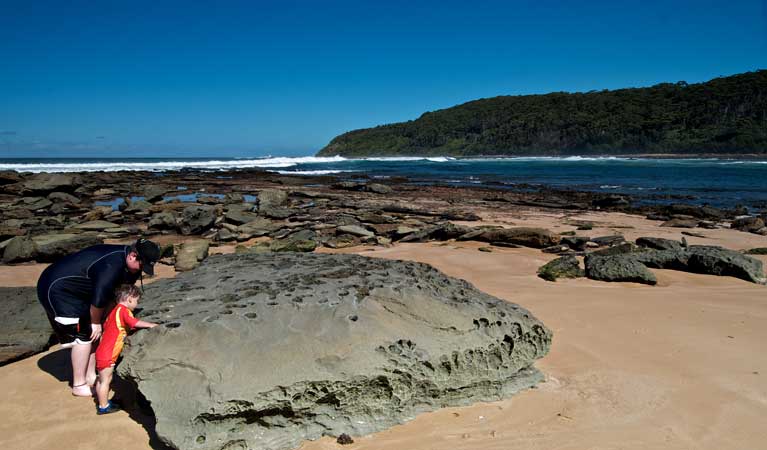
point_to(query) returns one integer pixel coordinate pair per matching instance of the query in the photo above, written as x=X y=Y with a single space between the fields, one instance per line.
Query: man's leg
x=81 y=357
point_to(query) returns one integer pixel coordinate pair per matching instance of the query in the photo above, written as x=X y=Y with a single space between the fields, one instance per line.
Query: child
x=118 y=323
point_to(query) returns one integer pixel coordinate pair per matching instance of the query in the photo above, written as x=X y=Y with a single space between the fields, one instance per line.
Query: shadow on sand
x=57 y=364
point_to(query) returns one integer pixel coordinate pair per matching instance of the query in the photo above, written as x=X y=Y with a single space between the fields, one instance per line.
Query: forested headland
x=726 y=115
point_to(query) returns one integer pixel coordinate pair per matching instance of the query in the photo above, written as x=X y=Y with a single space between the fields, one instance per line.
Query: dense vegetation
x=724 y=115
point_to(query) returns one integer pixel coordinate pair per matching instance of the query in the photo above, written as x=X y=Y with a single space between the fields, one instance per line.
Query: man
x=75 y=290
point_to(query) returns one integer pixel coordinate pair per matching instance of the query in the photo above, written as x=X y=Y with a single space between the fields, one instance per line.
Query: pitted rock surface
x=266 y=350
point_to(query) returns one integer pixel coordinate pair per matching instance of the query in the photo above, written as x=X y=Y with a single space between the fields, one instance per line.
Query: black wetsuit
x=68 y=287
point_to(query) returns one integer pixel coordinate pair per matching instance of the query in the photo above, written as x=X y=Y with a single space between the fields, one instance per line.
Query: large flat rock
x=26 y=330
x=266 y=350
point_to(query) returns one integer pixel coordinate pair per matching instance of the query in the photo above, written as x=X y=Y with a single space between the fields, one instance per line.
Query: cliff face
x=726 y=115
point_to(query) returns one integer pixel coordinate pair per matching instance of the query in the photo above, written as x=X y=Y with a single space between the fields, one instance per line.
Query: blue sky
x=283 y=77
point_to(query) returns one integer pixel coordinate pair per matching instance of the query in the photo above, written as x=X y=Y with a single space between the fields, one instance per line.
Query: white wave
x=610 y=186
x=152 y=166
x=309 y=172
x=408 y=158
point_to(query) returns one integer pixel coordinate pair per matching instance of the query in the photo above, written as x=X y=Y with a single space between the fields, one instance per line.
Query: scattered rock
x=26 y=330
x=708 y=260
x=378 y=188
x=271 y=198
x=562 y=267
x=154 y=192
x=191 y=254
x=137 y=206
x=51 y=247
x=345 y=439
x=302 y=366
x=64 y=197
x=197 y=219
x=293 y=245
x=529 y=237
x=622 y=268
x=19 y=249
x=680 y=223
x=355 y=230
x=44 y=183
x=164 y=220
x=748 y=224
x=618 y=249
x=608 y=240
x=757 y=251
x=658 y=243
x=34 y=203
x=577 y=243
x=96 y=225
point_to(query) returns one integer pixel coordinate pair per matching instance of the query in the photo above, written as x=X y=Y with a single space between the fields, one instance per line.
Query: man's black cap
x=148 y=254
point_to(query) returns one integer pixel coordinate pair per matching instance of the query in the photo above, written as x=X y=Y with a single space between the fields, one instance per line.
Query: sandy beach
x=679 y=365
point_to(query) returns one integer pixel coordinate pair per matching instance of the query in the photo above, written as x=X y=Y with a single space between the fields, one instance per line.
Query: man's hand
x=95 y=331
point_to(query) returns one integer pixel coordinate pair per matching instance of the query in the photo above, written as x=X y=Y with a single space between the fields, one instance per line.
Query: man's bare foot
x=82 y=390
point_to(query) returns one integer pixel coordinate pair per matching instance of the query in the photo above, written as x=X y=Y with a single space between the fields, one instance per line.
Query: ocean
x=717 y=182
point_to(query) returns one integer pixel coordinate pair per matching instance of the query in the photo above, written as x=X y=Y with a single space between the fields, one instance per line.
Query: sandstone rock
x=271 y=198
x=355 y=230
x=197 y=219
x=191 y=254
x=154 y=192
x=137 y=206
x=26 y=330
x=257 y=227
x=97 y=213
x=618 y=249
x=680 y=223
x=34 y=203
x=43 y=183
x=379 y=188
x=275 y=213
x=658 y=243
x=234 y=197
x=164 y=220
x=293 y=245
x=240 y=215
x=19 y=249
x=9 y=177
x=96 y=225
x=104 y=192
x=64 y=197
x=225 y=235
x=748 y=224
x=50 y=247
x=562 y=267
x=618 y=268
x=296 y=346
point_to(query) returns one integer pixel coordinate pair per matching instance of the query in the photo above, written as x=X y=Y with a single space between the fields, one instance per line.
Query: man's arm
x=104 y=276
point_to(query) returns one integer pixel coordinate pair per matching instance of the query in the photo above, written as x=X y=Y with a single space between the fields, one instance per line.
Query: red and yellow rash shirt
x=118 y=323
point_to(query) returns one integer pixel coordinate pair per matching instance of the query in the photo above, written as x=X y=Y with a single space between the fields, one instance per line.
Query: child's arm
x=144 y=324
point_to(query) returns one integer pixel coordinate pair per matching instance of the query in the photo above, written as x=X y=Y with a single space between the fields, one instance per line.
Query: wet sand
x=676 y=366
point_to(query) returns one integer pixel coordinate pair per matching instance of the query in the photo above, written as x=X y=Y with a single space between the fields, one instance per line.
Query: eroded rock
x=266 y=350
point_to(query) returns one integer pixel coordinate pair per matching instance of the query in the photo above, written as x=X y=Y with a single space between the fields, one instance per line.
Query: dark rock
x=617 y=249
x=296 y=346
x=680 y=223
x=608 y=240
x=529 y=237
x=562 y=267
x=234 y=197
x=293 y=245
x=370 y=217
x=225 y=235
x=749 y=224
x=240 y=215
x=557 y=249
x=275 y=213
x=708 y=260
x=700 y=212
x=658 y=243
x=623 y=268
x=460 y=216
x=256 y=228
x=34 y=203
x=197 y=219
x=656 y=216
x=63 y=197
x=26 y=330
x=345 y=439
x=349 y=186
x=9 y=177
x=575 y=242
x=611 y=201
x=137 y=206
x=757 y=251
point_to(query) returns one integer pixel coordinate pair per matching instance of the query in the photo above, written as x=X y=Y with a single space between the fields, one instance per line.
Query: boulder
x=749 y=224
x=658 y=243
x=708 y=260
x=196 y=219
x=51 y=247
x=44 y=183
x=271 y=198
x=137 y=206
x=240 y=215
x=164 y=220
x=296 y=346
x=562 y=267
x=624 y=268
x=191 y=254
x=529 y=237
x=26 y=330
x=19 y=249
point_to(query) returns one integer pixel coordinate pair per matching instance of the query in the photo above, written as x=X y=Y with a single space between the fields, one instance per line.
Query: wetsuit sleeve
x=105 y=277
x=127 y=318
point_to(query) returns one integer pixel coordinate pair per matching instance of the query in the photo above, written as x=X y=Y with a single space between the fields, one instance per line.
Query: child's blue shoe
x=109 y=409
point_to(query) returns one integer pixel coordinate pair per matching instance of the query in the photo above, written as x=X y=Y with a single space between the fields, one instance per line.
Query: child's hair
x=126 y=290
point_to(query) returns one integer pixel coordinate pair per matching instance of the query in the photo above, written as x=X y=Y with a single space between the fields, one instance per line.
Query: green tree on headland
x=726 y=115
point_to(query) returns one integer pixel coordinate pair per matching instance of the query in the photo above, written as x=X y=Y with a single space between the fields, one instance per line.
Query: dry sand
x=680 y=365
